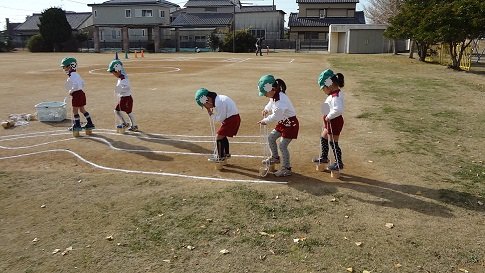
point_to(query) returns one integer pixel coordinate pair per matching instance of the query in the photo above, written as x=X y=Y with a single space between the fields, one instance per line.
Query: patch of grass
x=474 y=173
x=366 y=115
x=176 y=220
x=421 y=107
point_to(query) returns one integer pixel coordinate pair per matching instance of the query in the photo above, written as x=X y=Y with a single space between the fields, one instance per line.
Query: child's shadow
x=183 y=145
x=126 y=147
x=64 y=124
x=389 y=194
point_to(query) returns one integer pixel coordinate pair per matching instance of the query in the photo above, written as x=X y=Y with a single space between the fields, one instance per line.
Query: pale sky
x=17 y=10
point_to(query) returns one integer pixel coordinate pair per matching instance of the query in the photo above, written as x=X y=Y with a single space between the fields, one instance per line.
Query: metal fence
x=169 y=44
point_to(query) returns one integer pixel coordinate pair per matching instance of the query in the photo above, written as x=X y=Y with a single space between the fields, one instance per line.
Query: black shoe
x=335 y=167
x=89 y=126
x=320 y=160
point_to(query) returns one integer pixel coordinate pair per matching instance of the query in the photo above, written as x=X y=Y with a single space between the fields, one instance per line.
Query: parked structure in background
x=310 y=26
x=362 y=39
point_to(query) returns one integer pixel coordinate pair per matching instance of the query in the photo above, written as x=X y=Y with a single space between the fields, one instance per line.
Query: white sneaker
x=283 y=172
x=216 y=159
x=271 y=160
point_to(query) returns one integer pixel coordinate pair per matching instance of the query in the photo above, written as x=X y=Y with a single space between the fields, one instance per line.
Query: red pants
x=230 y=126
x=125 y=104
x=334 y=126
x=78 y=98
x=288 y=128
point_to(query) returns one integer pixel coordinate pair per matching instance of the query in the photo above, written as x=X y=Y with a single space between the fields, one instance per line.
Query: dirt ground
x=58 y=191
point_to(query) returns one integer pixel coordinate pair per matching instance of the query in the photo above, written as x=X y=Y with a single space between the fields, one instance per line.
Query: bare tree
x=379 y=12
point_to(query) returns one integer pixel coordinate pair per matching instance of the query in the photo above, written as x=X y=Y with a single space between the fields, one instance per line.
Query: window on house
x=323 y=13
x=143 y=33
x=312 y=12
x=257 y=33
x=101 y=35
x=336 y=13
x=184 y=38
x=350 y=13
x=146 y=13
x=95 y=13
x=210 y=9
x=143 y=13
x=311 y=35
x=162 y=14
x=200 y=38
x=127 y=13
x=113 y=34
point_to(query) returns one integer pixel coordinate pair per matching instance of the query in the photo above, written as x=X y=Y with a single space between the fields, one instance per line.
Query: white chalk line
x=171 y=70
x=144 y=172
x=134 y=135
x=109 y=130
x=109 y=144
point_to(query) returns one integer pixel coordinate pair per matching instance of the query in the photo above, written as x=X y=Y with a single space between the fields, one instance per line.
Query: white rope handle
x=213 y=134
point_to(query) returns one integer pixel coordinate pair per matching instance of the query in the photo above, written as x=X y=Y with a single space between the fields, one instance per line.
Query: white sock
x=132 y=119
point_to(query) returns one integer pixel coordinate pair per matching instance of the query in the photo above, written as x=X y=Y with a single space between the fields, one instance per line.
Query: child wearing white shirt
x=281 y=111
x=74 y=86
x=223 y=109
x=123 y=93
x=333 y=121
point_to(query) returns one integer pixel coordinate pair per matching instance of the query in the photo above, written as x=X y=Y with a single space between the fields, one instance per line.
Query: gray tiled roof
x=75 y=19
x=256 y=8
x=202 y=20
x=296 y=21
x=211 y=3
x=325 y=1
x=136 y=2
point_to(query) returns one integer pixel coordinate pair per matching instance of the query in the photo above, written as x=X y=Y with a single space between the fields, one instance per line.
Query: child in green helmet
x=223 y=109
x=123 y=92
x=333 y=121
x=74 y=86
x=281 y=111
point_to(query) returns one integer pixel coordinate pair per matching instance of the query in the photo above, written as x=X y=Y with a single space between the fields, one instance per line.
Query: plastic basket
x=51 y=111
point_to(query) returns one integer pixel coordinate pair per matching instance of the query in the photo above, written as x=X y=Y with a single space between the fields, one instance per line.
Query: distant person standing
x=259 y=45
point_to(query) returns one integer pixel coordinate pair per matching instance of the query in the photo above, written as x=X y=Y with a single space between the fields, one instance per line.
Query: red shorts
x=336 y=125
x=230 y=126
x=288 y=128
x=125 y=104
x=78 y=98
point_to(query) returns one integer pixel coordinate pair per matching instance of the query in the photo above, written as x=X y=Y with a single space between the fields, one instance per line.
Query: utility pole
x=234 y=28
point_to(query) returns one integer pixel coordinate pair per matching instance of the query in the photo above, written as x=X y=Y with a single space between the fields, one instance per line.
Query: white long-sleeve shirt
x=224 y=107
x=74 y=83
x=280 y=110
x=334 y=105
x=123 y=88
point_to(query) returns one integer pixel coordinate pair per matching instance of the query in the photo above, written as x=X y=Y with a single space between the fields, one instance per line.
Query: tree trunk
x=394 y=46
x=411 y=50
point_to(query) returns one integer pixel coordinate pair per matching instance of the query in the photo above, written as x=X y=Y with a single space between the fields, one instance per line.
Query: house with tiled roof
x=146 y=20
x=200 y=18
x=310 y=26
x=79 y=21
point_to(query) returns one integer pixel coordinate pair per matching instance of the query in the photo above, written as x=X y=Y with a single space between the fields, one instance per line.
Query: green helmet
x=265 y=84
x=115 y=65
x=69 y=61
x=201 y=96
x=325 y=78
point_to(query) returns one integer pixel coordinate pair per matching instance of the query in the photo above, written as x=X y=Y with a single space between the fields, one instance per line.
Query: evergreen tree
x=54 y=28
